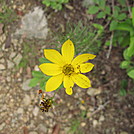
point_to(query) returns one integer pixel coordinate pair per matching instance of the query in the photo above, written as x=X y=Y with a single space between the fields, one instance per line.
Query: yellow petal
x=82 y=58
x=69 y=91
x=86 y=67
x=68 y=51
x=54 y=82
x=54 y=56
x=81 y=80
x=50 y=69
x=68 y=83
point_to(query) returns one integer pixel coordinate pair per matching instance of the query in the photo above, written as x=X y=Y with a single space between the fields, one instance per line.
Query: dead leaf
x=25 y=130
x=8 y=41
x=1 y=28
x=56 y=129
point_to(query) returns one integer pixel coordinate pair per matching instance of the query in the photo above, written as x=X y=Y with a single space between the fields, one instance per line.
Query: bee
x=45 y=104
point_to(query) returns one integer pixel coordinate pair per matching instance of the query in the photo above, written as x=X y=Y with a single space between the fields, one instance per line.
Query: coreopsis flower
x=66 y=69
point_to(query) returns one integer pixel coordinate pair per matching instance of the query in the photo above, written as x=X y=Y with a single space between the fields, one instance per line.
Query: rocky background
x=98 y=110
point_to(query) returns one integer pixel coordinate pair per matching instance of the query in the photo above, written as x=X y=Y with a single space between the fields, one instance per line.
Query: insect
x=45 y=104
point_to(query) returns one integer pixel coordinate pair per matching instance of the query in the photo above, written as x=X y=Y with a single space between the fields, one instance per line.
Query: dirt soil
x=102 y=112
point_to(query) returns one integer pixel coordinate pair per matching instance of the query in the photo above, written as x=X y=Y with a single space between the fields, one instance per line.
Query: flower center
x=68 y=69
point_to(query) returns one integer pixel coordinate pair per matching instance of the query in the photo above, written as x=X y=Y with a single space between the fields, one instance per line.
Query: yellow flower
x=66 y=69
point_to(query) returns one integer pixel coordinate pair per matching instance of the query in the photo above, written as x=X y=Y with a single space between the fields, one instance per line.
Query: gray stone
x=34 y=25
x=12 y=55
x=20 y=110
x=95 y=123
x=93 y=91
x=10 y=64
x=87 y=3
x=27 y=100
x=2 y=61
x=123 y=132
x=25 y=85
x=1 y=54
x=17 y=59
x=2 y=126
x=36 y=111
x=42 y=128
x=2 y=67
x=102 y=118
x=33 y=132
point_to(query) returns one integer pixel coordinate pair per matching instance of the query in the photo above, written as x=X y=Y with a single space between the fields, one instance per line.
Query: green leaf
x=123 y=85
x=131 y=74
x=123 y=26
x=46 y=2
x=102 y=4
x=122 y=92
x=44 y=60
x=122 y=2
x=133 y=16
x=121 y=16
x=125 y=55
x=98 y=26
x=93 y=9
x=113 y=25
x=115 y=14
x=101 y=14
x=34 y=82
x=97 y=1
x=125 y=64
x=126 y=40
x=130 y=51
x=42 y=84
x=107 y=10
x=107 y=43
x=38 y=74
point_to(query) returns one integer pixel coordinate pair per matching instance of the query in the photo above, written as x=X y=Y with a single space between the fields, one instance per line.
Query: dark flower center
x=68 y=69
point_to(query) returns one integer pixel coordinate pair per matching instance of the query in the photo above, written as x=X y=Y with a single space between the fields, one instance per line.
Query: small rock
x=17 y=59
x=12 y=55
x=2 y=126
x=2 y=38
x=82 y=107
x=1 y=55
x=27 y=100
x=83 y=124
x=36 y=68
x=93 y=91
x=123 y=132
x=49 y=114
x=95 y=123
x=10 y=64
x=42 y=128
x=36 y=111
x=2 y=67
x=2 y=61
x=33 y=25
x=33 y=132
x=25 y=85
x=88 y=114
x=102 y=118
x=1 y=28
x=87 y=3
x=20 y=110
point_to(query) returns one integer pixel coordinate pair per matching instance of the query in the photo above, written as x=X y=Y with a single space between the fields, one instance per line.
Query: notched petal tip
x=69 y=91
